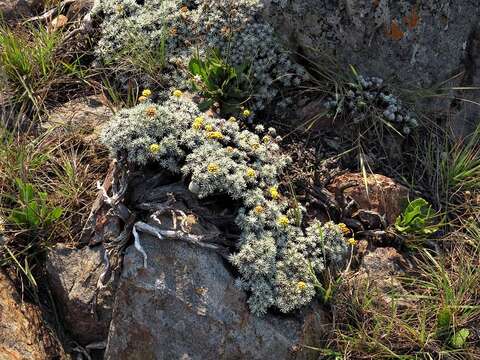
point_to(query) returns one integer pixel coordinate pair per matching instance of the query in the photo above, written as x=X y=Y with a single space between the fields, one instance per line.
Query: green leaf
x=18 y=217
x=444 y=319
x=459 y=339
x=206 y=104
x=55 y=214
x=417 y=218
x=195 y=66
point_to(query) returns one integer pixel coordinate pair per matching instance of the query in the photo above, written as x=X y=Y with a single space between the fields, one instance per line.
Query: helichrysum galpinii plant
x=274 y=254
x=180 y=29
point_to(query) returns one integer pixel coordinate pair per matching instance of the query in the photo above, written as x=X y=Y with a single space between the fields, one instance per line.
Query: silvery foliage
x=276 y=259
x=131 y=132
x=366 y=95
x=233 y=26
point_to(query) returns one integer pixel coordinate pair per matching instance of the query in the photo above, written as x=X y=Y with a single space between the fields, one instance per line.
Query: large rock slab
x=411 y=44
x=185 y=305
x=73 y=275
x=418 y=42
x=23 y=334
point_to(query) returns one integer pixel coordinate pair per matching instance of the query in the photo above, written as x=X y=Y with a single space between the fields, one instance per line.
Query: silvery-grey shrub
x=276 y=259
x=233 y=27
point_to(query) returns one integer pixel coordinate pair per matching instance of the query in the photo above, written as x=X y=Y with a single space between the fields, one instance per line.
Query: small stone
x=384 y=195
x=57 y=23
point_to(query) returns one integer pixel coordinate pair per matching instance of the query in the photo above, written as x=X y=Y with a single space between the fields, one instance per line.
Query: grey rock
x=380 y=273
x=73 y=275
x=17 y=9
x=185 y=305
x=82 y=114
x=467 y=117
x=414 y=44
x=421 y=44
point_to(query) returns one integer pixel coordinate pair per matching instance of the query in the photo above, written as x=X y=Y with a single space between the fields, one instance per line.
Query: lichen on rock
x=417 y=43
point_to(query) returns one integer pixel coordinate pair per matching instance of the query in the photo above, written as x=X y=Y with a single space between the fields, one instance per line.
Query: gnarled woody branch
x=116 y=184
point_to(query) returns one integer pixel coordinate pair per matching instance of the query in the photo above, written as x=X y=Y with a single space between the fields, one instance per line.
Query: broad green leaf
x=459 y=339
x=56 y=213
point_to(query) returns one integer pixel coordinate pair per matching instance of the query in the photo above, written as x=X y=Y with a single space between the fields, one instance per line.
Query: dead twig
x=50 y=13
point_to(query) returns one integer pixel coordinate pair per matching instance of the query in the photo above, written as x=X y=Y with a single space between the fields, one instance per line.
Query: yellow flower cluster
x=273 y=191
x=177 y=93
x=216 y=135
x=266 y=139
x=209 y=127
x=346 y=231
x=344 y=228
x=231 y=119
x=213 y=168
x=251 y=173
x=229 y=149
x=198 y=123
x=283 y=220
x=154 y=148
x=352 y=242
x=146 y=93
x=301 y=285
x=246 y=113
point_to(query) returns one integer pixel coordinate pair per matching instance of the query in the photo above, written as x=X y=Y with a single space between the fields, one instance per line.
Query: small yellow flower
x=301 y=285
x=142 y=99
x=217 y=135
x=255 y=146
x=209 y=127
x=344 y=229
x=229 y=149
x=259 y=209
x=147 y=93
x=247 y=113
x=266 y=139
x=177 y=93
x=151 y=111
x=283 y=220
x=352 y=242
x=274 y=194
x=251 y=173
x=213 y=168
x=154 y=148
x=119 y=8
x=231 y=119
x=198 y=123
